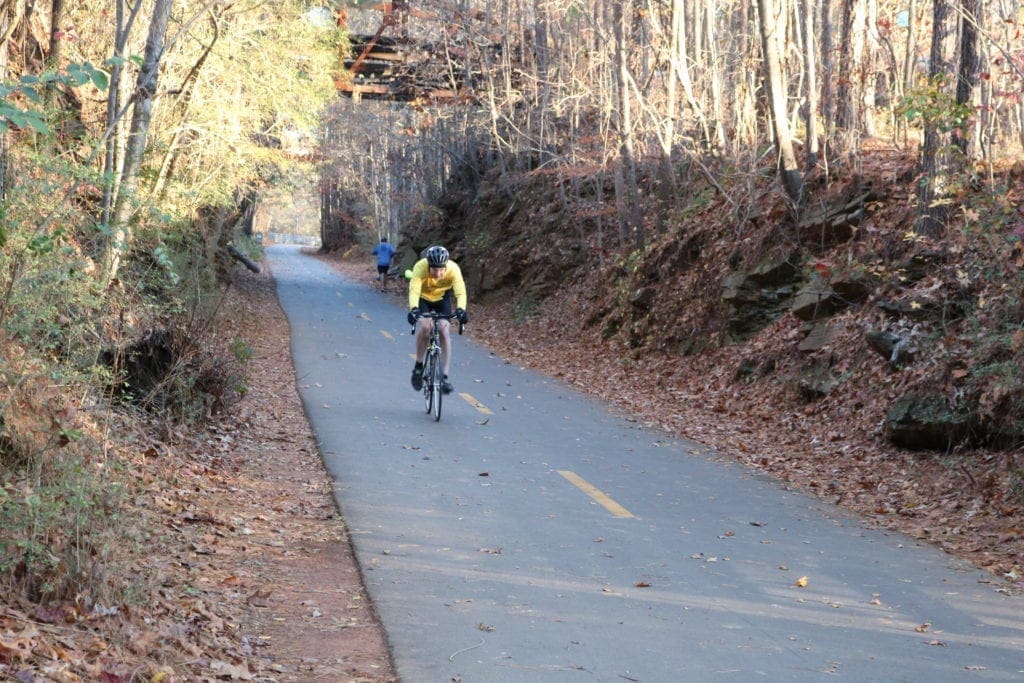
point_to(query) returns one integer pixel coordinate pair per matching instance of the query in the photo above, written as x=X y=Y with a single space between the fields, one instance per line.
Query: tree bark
x=850 y=91
x=828 y=103
x=631 y=199
x=811 y=70
x=111 y=159
x=910 y=59
x=145 y=93
x=932 y=200
x=789 y=172
x=8 y=21
x=967 y=67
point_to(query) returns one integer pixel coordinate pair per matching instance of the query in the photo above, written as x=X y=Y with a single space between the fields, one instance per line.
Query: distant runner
x=384 y=252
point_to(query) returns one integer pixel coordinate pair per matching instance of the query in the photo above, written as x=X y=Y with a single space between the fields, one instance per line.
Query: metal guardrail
x=291 y=238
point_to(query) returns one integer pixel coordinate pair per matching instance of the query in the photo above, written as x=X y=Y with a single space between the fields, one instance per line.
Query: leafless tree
x=143 y=96
x=932 y=200
x=789 y=171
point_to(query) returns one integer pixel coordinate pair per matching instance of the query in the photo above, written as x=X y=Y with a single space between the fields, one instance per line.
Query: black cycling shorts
x=444 y=306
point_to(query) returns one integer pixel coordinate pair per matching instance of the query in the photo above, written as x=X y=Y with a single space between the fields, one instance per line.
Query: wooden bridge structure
x=391 y=65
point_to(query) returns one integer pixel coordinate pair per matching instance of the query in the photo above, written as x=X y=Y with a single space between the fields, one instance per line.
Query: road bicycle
x=433 y=364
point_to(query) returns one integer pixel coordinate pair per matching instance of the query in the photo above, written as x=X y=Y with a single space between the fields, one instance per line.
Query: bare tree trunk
x=910 y=58
x=543 y=102
x=850 y=92
x=8 y=22
x=56 y=19
x=869 y=68
x=789 y=171
x=665 y=125
x=681 y=64
x=967 y=69
x=111 y=159
x=828 y=103
x=932 y=205
x=715 y=70
x=145 y=92
x=631 y=198
x=811 y=70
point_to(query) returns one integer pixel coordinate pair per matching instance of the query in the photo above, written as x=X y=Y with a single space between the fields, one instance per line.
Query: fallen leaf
x=923 y=627
x=801 y=582
x=642 y=584
x=224 y=669
x=259 y=599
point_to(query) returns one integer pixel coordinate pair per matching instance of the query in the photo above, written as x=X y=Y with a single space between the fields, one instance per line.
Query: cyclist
x=435 y=281
x=384 y=253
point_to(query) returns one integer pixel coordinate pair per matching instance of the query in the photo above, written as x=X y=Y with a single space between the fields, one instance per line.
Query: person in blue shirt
x=384 y=253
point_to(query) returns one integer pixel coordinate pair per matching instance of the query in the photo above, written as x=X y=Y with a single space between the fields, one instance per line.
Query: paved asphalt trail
x=532 y=535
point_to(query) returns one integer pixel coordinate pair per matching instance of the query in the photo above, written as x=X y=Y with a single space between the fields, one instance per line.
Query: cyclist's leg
x=446 y=345
x=444 y=330
x=446 y=306
x=423 y=327
x=446 y=354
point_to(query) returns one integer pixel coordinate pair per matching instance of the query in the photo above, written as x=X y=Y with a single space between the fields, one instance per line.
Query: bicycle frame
x=433 y=370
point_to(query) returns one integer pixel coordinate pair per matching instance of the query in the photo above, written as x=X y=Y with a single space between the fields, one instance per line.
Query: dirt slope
x=251 y=576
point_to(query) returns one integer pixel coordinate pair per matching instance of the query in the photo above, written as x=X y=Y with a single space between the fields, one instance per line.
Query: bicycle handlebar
x=434 y=315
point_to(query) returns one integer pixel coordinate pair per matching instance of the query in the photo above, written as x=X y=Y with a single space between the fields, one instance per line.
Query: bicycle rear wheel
x=436 y=377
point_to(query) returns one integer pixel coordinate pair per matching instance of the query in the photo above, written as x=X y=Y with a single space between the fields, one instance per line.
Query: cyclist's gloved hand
x=413 y=314
x=462 y=315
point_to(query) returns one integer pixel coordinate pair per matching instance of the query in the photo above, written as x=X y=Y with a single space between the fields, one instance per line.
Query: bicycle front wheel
x=428 y=383
x=436 y=377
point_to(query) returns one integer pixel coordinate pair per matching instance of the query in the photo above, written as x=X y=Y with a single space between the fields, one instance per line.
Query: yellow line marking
x=589 y=489
x=387 y=334
x=476 y=404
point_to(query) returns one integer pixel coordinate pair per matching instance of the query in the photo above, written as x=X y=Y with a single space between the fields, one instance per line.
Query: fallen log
x=248 y=262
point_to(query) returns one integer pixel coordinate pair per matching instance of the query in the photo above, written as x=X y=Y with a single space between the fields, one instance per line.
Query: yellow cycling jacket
x=423 y=286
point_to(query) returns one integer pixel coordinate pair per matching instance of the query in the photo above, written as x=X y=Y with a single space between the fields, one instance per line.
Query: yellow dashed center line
x=387 y=334
x=476 y=404
x=587 y=488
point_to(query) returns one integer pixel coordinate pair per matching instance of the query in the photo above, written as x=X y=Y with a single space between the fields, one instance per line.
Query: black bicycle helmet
x=437 y=256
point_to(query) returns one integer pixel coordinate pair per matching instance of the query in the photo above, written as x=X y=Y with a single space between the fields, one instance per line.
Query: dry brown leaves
x=251 y=576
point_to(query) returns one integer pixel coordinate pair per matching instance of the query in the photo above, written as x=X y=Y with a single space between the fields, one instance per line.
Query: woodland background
x=799 y=222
